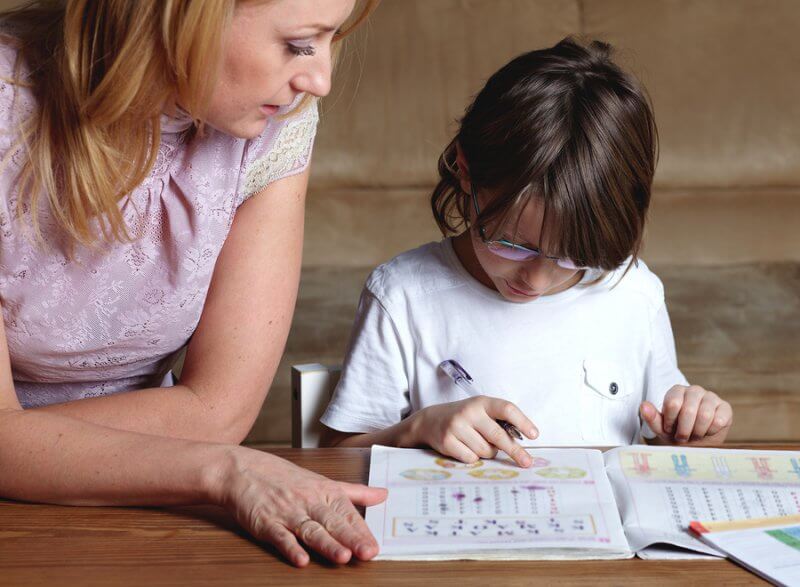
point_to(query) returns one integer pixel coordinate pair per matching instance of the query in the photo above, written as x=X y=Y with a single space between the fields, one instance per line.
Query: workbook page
x=438 y=508
x=769 y=547
x=660 y=490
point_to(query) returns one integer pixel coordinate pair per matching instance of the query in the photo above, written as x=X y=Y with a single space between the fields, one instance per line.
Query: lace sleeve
x=280 y=152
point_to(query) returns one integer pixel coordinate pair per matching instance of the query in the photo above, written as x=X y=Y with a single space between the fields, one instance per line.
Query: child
x=540 y=297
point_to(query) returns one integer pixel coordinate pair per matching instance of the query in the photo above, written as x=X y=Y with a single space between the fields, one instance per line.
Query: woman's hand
x=467 y=430
x=286 y=505
x=691 y=415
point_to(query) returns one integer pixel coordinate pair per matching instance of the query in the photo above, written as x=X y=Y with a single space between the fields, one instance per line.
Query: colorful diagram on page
x=709 y=466
x=789 y=536
x=448 y=463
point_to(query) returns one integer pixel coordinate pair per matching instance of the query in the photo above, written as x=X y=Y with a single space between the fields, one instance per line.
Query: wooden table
x=55 y=545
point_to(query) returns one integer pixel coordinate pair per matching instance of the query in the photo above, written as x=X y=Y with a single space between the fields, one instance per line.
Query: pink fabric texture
x=111 y=320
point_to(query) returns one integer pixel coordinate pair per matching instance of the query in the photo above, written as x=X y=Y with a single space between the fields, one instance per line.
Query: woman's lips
x=521 y=292
x=269 y=109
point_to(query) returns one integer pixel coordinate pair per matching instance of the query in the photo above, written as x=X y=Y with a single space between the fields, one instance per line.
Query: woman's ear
x=463 y=170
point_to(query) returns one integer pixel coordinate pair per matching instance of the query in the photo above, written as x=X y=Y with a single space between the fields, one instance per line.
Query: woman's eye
x=301 y=49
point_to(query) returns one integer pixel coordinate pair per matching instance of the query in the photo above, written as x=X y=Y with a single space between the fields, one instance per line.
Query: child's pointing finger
x=671 y=408
x=653 y=418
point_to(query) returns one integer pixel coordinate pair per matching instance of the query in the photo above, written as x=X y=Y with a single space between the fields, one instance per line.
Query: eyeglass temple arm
x=481 y=229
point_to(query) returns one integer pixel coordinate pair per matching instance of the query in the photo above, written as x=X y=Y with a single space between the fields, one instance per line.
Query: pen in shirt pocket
x=462 y=379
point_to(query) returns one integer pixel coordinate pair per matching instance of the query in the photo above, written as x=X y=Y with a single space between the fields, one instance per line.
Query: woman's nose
x=316 y=78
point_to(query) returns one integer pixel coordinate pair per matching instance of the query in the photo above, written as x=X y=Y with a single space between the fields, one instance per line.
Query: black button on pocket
x=613 y=388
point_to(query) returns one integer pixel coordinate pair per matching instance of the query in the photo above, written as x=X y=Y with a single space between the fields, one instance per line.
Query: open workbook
x=572 y=503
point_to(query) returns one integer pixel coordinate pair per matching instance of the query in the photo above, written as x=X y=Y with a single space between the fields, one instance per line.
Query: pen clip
x=455 y=371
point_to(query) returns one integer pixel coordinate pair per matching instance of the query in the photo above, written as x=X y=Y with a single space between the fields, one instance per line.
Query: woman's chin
x=241 y=129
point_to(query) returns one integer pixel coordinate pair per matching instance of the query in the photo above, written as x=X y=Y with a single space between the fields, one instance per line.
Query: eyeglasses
x=514 y=252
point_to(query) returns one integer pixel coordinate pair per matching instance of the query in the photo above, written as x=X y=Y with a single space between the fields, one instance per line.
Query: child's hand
x=467 y=430
x=690 y=415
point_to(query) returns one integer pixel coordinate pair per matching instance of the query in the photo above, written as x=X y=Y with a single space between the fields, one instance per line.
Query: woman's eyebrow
x=314 y=29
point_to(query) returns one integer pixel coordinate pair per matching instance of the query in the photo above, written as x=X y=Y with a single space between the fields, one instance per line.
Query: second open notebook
x=572 y=503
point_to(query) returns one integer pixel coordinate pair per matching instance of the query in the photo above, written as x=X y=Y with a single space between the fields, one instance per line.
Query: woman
x=155 y=163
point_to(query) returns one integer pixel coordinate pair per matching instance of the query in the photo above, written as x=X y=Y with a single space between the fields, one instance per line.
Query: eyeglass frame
x=535 y=253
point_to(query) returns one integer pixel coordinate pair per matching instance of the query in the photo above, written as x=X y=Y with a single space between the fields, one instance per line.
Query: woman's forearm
x=177 y=412
x=49 y=458
x=46 y=457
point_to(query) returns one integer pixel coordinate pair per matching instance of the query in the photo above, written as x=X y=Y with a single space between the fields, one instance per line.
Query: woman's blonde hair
x=102 y=72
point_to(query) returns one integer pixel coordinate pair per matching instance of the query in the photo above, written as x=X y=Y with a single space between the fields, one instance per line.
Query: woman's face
x=272 y=52
x=522 y=281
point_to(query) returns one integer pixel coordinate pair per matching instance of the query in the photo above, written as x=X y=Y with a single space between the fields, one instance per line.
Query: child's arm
x=691 y=415
x=398 y=435
x=466 y=430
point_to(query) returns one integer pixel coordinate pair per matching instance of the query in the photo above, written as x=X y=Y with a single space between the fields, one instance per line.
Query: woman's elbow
x=232 y=430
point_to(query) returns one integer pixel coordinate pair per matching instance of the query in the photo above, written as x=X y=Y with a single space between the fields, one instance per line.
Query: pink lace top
x=112 y=320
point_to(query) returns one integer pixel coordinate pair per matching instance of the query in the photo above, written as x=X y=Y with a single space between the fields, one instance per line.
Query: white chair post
x=312 y=388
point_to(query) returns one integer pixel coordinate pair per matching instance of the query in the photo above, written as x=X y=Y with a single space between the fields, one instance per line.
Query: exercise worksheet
x=562 y=506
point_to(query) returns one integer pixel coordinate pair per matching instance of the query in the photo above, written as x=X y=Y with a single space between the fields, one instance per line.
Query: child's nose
x=537 y=275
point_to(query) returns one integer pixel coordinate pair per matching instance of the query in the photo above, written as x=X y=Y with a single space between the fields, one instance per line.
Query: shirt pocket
x=611 y=402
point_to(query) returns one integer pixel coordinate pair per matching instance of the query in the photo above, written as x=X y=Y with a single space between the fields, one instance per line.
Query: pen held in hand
x=462 y=379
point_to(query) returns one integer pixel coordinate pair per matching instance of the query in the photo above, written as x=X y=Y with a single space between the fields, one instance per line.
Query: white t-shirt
x=577 y=363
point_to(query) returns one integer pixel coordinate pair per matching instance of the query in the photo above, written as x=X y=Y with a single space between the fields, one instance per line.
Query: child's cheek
x=493 y=265
x=495 y=270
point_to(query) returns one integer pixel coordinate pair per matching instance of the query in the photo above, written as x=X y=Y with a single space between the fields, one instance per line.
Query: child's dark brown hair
x=566 y=125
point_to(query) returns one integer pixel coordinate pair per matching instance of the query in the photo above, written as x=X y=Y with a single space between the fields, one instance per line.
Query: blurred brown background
x=724 y=233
